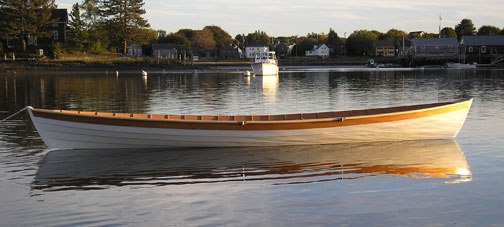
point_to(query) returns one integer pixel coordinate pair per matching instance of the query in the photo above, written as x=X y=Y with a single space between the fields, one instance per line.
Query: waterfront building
x=60 y=26
x=416 y=34
x=319 y=50
x=164 y=50
x=135 y=50
x=482 y=49
x=251 y=51
x=283 y=50
x=231 y=52
x=384 y=48
x=435 y=48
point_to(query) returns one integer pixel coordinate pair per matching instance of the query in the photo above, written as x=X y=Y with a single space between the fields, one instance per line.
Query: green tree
x=177 y=38
x=91 y=11
x=361 y=43
x=78 y=29
x=144 y=36
x=203 y=42
x=334 y=42
x=221 y=37
x=124 y=17
x=240 y=38
x=430 y=35
x=257 y=38
x=99 y=38
x=465 y=27
x=448 y=32
x=396 y=36
x=304 y=44
x=22 y=18
x=488 y=30
x=97 y=28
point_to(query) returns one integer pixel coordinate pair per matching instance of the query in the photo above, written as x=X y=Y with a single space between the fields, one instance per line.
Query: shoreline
x=132 y=67
x=82 y=65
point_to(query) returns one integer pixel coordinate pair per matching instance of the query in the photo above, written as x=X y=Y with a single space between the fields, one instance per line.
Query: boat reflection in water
x=269 y=87
x=98 y=169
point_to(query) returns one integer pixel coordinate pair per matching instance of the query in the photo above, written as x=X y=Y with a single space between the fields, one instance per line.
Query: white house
x=319 y=50
x=251 y=51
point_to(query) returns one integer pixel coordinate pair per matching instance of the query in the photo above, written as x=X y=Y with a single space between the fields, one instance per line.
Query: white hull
x=264 y=69
x=67 y=134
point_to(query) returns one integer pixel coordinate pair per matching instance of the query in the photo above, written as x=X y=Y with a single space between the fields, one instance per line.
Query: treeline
x=99 y=26
x=211 y=39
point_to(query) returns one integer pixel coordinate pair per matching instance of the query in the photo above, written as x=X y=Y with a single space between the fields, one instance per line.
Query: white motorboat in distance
x=265 y=64
x=460 y=66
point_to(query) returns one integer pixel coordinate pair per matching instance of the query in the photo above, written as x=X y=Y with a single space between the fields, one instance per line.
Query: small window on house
x=470 y=49
x=55 y=35
x=483 y=49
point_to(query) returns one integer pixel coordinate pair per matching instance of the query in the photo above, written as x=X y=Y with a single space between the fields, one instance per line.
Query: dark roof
x=60 y=15
x=385 y=43
x=434 y=42
x=230 y=48
x=163 y=46
x=482 y=40
x=317 y=46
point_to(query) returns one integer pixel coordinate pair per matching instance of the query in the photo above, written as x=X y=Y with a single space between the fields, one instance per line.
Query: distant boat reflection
x=98 y=169
x=267 y=84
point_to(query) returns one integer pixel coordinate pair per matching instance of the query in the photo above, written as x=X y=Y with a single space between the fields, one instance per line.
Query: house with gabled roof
x=432 y=51
x=231 y=52
x=483 y=48
x=253 y=50
x=60 y=26
x=435 y=47
x=319 y=50
x=384 y=48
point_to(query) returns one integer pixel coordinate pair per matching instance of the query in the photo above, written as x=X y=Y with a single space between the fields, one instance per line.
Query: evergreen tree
x=78 y=28
x=334 y=42
x=124 y=17
x=465 y=27
x=21 y=18
x=91 y=12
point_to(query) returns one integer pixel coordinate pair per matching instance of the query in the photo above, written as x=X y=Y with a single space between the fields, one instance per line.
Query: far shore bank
x=121 y=64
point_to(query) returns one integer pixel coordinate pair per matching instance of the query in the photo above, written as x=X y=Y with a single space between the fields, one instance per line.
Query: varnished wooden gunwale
x=260 y=122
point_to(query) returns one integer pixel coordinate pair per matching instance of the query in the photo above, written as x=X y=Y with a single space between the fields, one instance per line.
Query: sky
x=295 y=17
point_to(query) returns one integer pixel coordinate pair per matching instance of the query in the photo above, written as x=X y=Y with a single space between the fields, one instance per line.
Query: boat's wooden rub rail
x=280 y=117
x=259 y=122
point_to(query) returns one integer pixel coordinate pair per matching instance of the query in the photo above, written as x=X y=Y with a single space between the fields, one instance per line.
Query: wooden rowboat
x=81 y=130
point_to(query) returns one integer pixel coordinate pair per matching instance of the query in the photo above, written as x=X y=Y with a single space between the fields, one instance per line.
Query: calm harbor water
x=415 y=183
